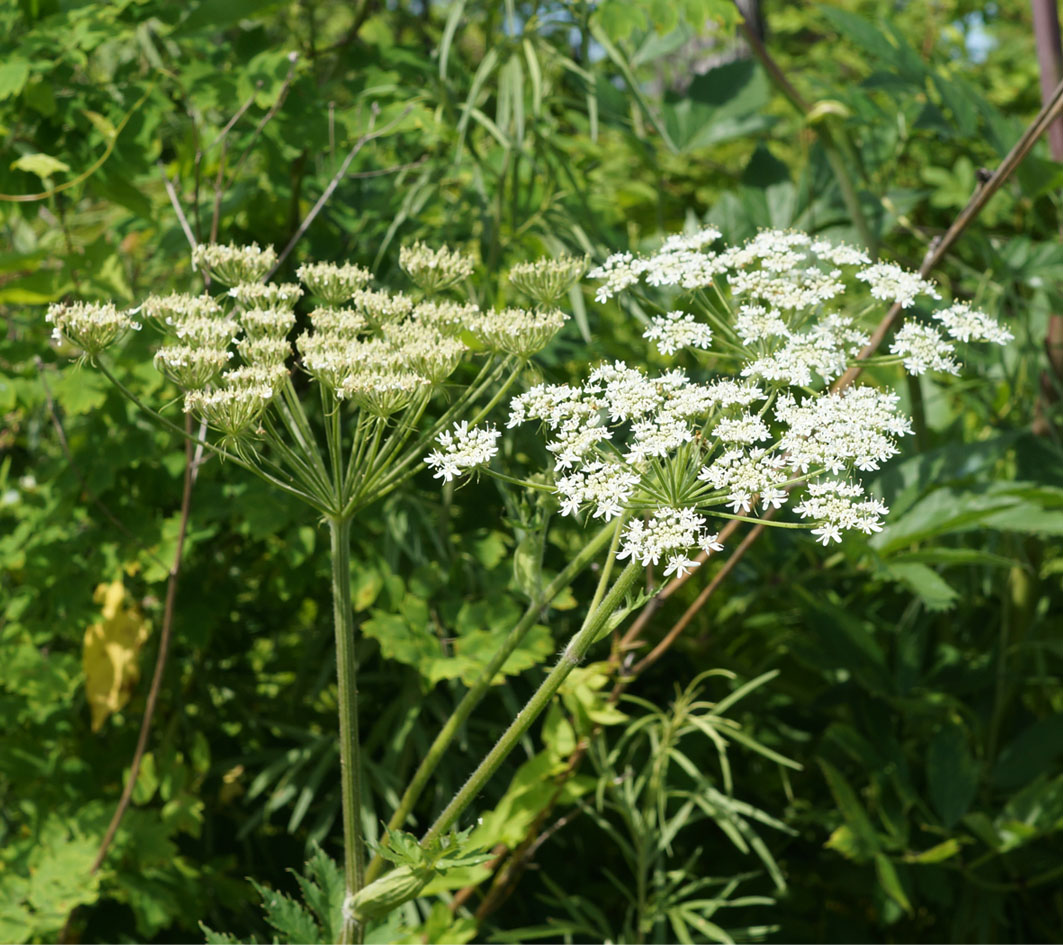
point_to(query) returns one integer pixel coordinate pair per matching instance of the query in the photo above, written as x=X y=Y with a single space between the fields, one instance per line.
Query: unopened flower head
x=447 y=317
x=263 y=350
x=382 y=392
x=517 y=331
x=269 y=295
x=332 y=283
x=232 y=411
x=341 y=322
x=426 y=350
x=433 y=270
x=169 y=310
x=462 y=449
x=89 y=325
x=267 y=322
x=233 y=264
x=546 y=280
x=191 y=366
x=206 y=331
x=379 y=308
x=256 y=377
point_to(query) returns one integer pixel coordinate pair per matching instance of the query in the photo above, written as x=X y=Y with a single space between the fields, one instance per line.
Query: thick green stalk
x=574 y=653
x=479 y=689
x=350 y=759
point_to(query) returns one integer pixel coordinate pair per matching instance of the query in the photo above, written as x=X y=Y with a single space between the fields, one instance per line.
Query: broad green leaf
x=43 y=165
x=1035 y=750
x=14 y=72
x=931 y=588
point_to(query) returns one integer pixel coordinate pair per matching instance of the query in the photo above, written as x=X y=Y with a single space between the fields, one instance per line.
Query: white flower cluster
x=965 y=324
x=668 y=532
x=677 y=330
x=90 y=326
x=462 y=449
x=922 y=348
x=669 y=452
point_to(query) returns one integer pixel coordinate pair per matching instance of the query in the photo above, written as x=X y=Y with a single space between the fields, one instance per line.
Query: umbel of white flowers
x=672 y=453
x=378 y=350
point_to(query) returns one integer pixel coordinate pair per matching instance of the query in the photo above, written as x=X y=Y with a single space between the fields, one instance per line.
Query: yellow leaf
x=109 y=655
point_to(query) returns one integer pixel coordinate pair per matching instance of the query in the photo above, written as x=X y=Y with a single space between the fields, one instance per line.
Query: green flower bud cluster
x=232 y=265
x=517 y=331
x=434 y=270
x=546 y=280
x=333 y=284
x=90 y=326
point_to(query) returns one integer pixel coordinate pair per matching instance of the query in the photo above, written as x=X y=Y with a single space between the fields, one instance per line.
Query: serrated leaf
x=323 y=890
x=294 y=923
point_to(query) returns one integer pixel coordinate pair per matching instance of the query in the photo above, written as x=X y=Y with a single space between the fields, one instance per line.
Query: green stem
x=574 y=653
x=350 y=760
x=479 y=689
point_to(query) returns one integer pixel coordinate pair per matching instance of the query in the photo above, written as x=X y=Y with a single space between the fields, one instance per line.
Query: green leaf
x=952 y=774
x=323 y=891
x=288 y=917
x=1036 y=750
x=43 y=165
x=887 y=875
x=14 y=72
x=218 y=938
x=864 y=841
x=932 y=589
x=936 y=854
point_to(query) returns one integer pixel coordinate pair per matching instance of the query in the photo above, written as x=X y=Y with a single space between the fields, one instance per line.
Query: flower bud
x=389 y=892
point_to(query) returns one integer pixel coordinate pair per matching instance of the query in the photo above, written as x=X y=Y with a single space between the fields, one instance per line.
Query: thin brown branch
x=160 y=659
x=176 y=204
x=370 y=134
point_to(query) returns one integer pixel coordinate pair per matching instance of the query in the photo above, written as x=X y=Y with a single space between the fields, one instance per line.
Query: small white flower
x=463 y=448
x=922 y=349
x=678 y=330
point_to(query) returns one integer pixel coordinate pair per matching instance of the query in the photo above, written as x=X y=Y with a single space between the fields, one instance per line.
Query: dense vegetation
x=861 y=744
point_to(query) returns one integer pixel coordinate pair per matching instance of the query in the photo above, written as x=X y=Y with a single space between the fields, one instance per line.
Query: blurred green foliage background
x=896 y=773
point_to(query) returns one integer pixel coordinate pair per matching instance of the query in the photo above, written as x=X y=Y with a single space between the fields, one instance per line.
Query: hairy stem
x=350 y=758
x=479 y=689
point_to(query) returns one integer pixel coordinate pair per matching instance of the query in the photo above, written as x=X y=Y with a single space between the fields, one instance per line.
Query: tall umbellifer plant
x=379 y=361
x=658 y=460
